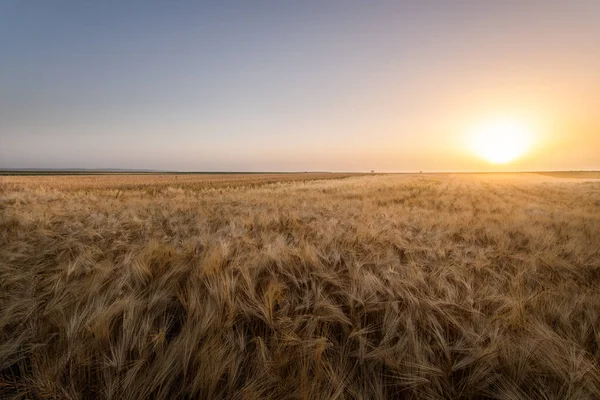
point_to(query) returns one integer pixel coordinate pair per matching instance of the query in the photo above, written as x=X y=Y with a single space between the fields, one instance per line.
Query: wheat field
x=307 y=286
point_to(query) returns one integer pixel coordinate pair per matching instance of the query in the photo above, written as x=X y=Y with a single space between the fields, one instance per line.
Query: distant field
x=58 y=172
x=157 y=182
x=299 y=286
x=573 y=174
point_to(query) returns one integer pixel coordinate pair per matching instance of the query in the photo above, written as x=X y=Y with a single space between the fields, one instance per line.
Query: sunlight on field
x=399 y=286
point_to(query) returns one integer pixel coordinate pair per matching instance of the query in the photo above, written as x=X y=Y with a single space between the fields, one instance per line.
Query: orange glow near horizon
x=501 y=141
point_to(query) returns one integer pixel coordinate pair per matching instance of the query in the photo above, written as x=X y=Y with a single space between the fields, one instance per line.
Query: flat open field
x=300 y=287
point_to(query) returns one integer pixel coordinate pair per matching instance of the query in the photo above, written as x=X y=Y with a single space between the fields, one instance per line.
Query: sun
x=501 y=141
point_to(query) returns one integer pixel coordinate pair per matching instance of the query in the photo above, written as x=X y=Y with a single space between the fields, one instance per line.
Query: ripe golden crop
x=299 y=286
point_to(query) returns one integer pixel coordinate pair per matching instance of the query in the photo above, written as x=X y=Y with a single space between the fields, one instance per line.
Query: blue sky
x=284 y=86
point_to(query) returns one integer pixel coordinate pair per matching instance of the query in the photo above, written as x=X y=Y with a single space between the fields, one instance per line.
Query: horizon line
x=149 y=171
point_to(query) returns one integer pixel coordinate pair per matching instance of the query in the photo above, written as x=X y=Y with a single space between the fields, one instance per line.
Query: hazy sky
x=304 y=85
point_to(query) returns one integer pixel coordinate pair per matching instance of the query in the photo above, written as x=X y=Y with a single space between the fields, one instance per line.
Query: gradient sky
x=287 y=86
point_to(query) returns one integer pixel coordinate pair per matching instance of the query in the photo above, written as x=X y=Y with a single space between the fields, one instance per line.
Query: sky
x=296 y=86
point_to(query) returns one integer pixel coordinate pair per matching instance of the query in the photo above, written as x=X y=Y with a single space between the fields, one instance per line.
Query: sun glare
x=501 y=141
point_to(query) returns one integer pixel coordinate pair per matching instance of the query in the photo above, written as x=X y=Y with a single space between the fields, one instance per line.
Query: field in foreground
x=391 y=286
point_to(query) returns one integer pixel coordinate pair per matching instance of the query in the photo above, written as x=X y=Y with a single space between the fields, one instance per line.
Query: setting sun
x=501 y=141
